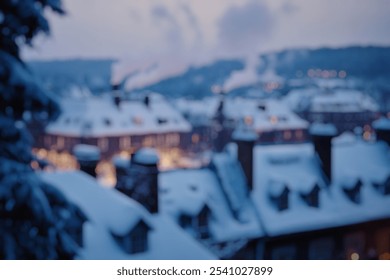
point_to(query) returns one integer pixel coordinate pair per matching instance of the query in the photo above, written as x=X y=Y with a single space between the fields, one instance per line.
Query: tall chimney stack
x=142 y=178
x=88 y=158
x=245 y=138
x=321 y=135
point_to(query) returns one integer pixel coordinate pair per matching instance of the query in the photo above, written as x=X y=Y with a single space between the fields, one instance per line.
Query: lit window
x=195 y=138
x=103 y=144
x=137 y=120
x=287 y=135
x=60 y=142
x=125 y=142
x=299 y=134
x=248 y=120
x=273 y=119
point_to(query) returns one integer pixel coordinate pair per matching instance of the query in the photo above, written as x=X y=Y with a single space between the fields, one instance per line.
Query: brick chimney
x=245 y=138
x=140 y=180
x=88 y=157
x=321 y=135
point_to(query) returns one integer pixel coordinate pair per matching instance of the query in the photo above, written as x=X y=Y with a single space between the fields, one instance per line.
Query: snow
x=321 y=129
x=232 y=179
x=244 y=135
x=109 y=210
x=146 y=156
x=338 y=100
x=187 y=191
x=238 y=108
x=79 y=117
x=86 y=152
x=357 y=160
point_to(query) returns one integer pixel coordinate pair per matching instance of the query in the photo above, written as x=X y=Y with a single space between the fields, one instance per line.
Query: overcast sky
x=203 y=29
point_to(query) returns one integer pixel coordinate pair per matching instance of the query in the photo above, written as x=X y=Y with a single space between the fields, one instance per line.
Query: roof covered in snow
x=99 y=117
x=296 y=167
x=188 y=191
x=266 y=115
x=110 y=211
x=338 y=100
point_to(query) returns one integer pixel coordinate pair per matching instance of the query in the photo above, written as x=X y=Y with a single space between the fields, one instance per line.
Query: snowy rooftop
x=188 y=191
x=296 y=167
x=266 y=115
x=86 y=152
x=100 y=117
x=339 y=100
x=110 y=211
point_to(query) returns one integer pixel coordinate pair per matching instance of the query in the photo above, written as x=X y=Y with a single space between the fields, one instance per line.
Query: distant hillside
x=58 y=75
x=197 y=82
x=360 y=62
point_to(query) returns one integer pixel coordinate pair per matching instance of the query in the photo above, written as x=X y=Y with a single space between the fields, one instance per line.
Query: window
x=60 y=142
x=103 y=144
x=125 y=143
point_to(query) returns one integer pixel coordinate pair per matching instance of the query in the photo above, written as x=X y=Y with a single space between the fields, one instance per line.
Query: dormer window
x=383 y=187
x=198 y=223
x=352 y=191
x=278 y=195
x=107 y=122
x=136 y=240
x=311 y=198
x=162 y=121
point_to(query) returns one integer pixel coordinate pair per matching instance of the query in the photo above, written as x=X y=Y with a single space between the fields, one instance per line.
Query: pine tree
x=36 y=220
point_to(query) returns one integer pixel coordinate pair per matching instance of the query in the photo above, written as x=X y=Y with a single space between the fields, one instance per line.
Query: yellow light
x=274 y=120
x=385 y=256
x=195 y=138
x=366 y=135
x=355 y=256
x=342 y=74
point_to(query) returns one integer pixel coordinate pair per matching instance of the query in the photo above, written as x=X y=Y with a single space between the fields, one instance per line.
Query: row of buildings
x=324 y=199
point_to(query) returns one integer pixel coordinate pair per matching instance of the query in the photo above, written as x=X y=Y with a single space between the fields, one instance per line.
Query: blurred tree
x=36 y=220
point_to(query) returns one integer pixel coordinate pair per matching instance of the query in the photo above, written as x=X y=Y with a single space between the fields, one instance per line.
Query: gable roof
x=109 y=210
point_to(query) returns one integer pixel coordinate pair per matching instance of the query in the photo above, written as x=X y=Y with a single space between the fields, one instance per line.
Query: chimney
x=116 y=94
x=382 y=129
x=220 y=138
x=140 y=180
x=352 y=190
x=245 y=139
x=88 y=158
x=147 y=101
x=321 y=135
x=122 y=166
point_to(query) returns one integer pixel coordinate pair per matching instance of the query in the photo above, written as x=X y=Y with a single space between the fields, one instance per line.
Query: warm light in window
x=366 y=135
x=299 y=134
x=195 y=138
x=342 y=74
x=248 y=120
x=287 y=135
x=355 y=256
x=274 y=120
x=137 y=120
x=34 y=165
